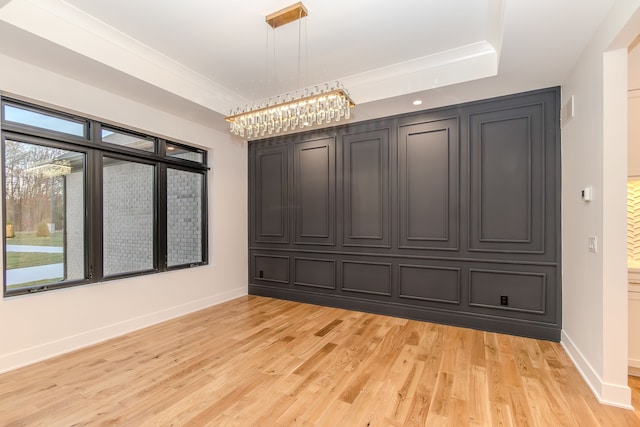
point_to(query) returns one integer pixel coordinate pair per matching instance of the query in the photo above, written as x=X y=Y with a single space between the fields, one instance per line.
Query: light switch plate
x=567 y=111
x=592 y=244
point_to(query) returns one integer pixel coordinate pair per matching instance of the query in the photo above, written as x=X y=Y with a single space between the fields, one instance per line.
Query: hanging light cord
x=272 y=85
x=275 y=68
x=299 y=45
x=266 y=62
x=306 y=53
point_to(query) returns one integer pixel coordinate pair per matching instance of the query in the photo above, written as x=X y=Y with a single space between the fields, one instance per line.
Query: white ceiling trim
x=463 y=64
x=497 y=25
x=77 y=31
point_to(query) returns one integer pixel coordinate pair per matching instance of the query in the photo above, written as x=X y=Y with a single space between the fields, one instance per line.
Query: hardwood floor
x=262 y=362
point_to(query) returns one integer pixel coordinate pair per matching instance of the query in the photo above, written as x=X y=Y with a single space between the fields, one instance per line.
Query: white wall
x=38 y=326
x=594 y=151
x=634 y=110
x=634 y=330
x=634 y=170
x=634 y=131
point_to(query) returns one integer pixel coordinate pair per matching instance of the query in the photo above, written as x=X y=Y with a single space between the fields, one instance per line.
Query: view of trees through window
x=37 y=214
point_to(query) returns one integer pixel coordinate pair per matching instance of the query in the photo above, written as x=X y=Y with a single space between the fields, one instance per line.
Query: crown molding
x=71 y=28
x=472 y=62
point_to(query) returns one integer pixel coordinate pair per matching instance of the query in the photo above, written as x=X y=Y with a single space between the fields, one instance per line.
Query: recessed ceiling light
x=417 y=102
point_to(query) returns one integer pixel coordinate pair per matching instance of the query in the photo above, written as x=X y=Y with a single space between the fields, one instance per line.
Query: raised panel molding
x=271 y=198
x=428 y=169
x=437 y=284
x=507 y=180
x=366 y=277
x=526 y=291
x=314 y=272
x=271 y=268
x=314 y=192
x=365 y=181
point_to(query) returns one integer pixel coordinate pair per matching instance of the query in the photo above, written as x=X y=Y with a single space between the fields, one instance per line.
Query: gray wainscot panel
x=271 y=268
x=525 y=291
x=428 y=183
x=315 y=192
x=314 y=272
x=438 y=284
x=365 y=181
x=507 y=180
x=366 y=277
x=271 y=198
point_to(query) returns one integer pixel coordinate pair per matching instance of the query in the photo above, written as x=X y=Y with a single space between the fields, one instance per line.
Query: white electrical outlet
x=592 y=243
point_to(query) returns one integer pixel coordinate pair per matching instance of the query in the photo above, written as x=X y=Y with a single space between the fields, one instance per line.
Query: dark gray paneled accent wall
x=448 y=215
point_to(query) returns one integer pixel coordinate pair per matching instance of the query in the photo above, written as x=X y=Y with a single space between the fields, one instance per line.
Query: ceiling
x=200 y=58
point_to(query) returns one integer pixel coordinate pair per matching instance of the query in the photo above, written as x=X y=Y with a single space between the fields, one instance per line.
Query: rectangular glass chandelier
x=294 y=110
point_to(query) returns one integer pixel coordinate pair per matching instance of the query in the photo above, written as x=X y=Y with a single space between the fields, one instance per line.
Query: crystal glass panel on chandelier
x=294 y=110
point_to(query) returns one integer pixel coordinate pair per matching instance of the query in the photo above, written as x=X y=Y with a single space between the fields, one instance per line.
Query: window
x=127 y=216
x=125 y=139
x=184 y=197
x=186 y=153
x=44 y=120
x=39 y=206
x=80 y=210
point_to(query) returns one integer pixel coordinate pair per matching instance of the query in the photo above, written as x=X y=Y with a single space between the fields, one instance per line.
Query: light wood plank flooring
x=262 y=362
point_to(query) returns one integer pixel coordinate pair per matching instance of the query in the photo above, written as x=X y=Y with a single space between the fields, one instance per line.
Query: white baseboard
x=51 y=349
x=634 y=367
x=618 y=395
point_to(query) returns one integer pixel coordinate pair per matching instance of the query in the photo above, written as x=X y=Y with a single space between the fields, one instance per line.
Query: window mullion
x=205 y=221
x=161 y=217
x=94 y=219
